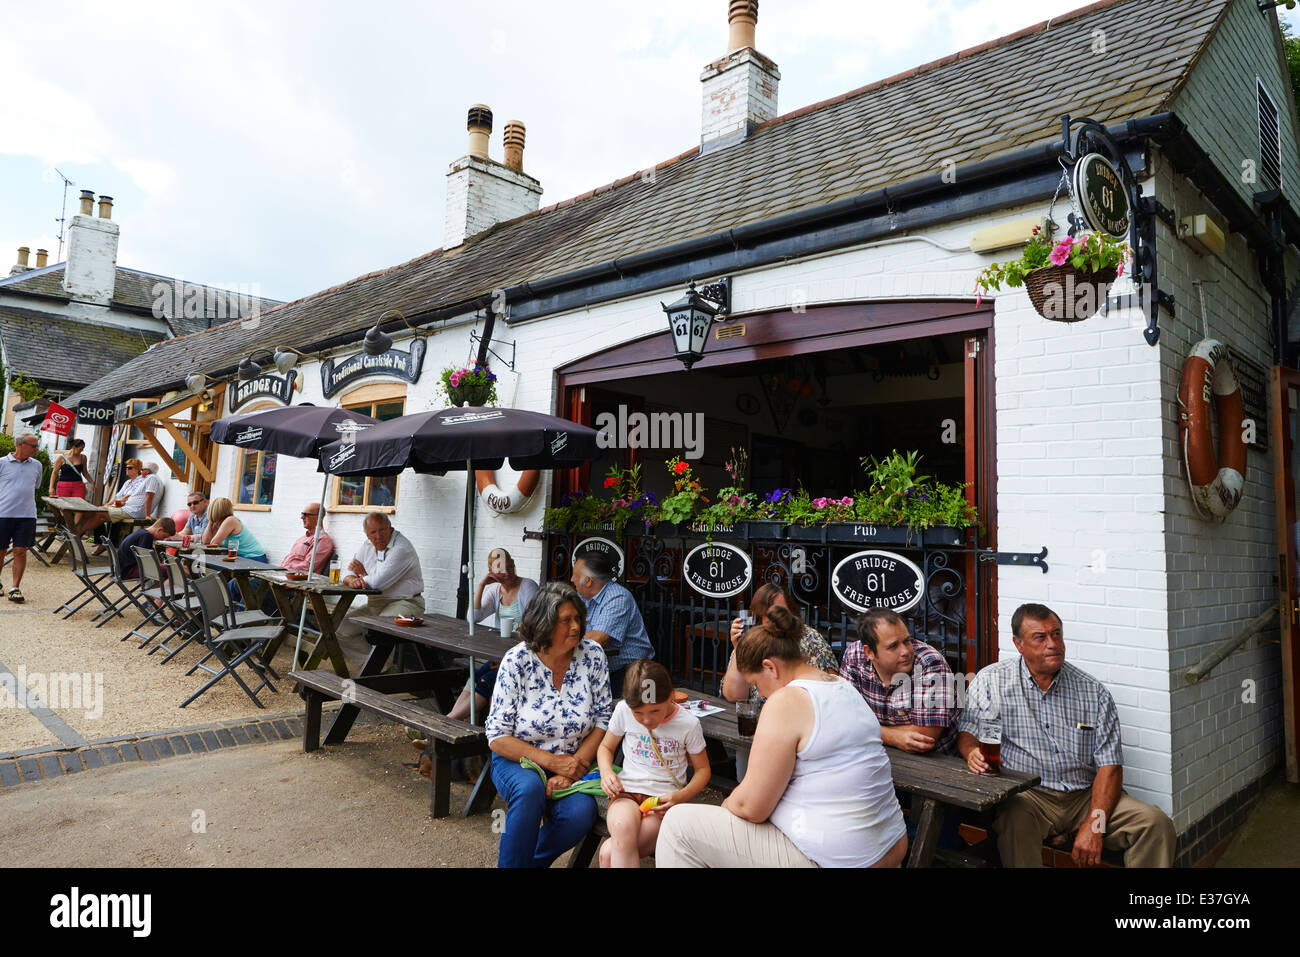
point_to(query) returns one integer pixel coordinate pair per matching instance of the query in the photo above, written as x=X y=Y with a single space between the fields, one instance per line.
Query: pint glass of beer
x=990 y=738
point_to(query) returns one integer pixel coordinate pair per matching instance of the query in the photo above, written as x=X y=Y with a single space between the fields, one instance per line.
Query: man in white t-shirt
x=153 y=483
x=386 y=562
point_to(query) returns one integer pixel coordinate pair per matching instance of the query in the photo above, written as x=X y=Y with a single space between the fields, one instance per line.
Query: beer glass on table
x=990 y=738
x=747 y=717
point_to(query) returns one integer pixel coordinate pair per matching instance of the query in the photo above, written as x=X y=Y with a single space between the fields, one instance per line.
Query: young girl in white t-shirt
x=660 y=739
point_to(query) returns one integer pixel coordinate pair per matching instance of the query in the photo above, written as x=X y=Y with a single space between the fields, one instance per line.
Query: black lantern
x=376 y=342
x=691 y=317
x=249 y=369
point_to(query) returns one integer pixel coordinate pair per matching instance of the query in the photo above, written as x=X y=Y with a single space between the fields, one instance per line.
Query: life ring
x=1209 y=381
x=514 y=497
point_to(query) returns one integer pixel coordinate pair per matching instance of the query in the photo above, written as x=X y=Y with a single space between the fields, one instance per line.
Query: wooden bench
x=450 y=738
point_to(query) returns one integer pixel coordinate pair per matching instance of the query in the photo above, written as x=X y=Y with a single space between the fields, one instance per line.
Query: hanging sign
x=57 y=420
x=394 y=363
x=603 y=547
x=279 y=387
x=717 y=570
x=96 y=413
x=875 y=579
x=1102 y=197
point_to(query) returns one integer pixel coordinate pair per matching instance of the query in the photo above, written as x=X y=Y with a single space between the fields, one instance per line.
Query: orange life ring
x=508 y=500
x=1208 y=381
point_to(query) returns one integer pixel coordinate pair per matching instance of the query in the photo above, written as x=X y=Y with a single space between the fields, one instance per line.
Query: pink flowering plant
x=1090 y=252
x=476 y=385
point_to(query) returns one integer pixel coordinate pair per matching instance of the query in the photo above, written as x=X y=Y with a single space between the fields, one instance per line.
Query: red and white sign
x=57 y=420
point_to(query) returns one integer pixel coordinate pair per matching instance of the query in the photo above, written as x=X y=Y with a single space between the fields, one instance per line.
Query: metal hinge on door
x=973 y=348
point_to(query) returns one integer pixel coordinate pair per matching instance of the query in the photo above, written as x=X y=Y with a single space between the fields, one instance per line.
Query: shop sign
x=875 y=579
x=96 y=413
x=278 y=387
x=717 y=570
x=1102 y=197
x=394 y=363
x=603 y=547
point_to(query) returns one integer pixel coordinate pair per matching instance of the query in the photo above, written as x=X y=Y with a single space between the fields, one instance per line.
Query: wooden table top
x=74 y=504
x=446 y=633
x=222 y=565
x=320 y=584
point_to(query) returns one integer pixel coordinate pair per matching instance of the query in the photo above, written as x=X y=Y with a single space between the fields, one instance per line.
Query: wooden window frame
x=239 y=470
x=139 y=448
x=368 y=396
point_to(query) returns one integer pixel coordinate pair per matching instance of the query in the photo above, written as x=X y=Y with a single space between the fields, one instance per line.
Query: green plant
x=584 y=511
x=1090 y=253
x=26 y=386
x=475 y=385
x=688 y=493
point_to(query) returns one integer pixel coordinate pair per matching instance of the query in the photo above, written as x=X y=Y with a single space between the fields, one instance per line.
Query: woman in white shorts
x=818 y=791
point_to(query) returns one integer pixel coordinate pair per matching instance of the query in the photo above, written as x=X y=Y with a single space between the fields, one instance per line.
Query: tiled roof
x=134 y=290
x=997 y=98
x=55 y=349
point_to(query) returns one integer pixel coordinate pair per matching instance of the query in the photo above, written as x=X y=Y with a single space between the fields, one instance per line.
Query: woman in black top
x=70 y=473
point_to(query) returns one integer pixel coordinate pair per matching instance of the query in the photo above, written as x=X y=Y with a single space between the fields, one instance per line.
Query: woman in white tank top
x=818 y=790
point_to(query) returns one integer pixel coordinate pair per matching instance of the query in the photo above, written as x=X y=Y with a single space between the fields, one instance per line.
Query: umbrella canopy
x=457 y=439
x=295 y=430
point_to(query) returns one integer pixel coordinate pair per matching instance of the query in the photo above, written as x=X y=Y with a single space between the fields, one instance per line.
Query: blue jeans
x=233 y=587
x=526 y=841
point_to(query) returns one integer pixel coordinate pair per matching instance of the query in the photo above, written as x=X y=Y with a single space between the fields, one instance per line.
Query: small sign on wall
x=876 y=579
x=603 y=547
x=717 y=570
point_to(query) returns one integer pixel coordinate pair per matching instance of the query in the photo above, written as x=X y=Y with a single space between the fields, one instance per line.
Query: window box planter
x=762 y=529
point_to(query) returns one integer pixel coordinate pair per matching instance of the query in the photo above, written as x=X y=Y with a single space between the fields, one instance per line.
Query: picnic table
x=315 y=589
x=241 y=570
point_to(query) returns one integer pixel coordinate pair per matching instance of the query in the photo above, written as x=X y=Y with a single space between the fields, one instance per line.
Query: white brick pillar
x=739 y=89
x=481 y=193
x=91 y=270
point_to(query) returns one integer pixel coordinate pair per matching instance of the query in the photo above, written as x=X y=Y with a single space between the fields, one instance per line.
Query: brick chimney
x=482 y=192
x=91 y=270
x=739 y=89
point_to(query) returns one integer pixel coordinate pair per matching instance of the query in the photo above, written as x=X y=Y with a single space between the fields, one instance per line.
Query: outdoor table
x=75 y=514
x=240 y=570
x=289 y=596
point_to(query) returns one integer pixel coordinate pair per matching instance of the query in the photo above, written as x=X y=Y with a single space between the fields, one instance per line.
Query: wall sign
x=96 y=413
x=717 y=570
x=1103 y=200
x=279 y=387
x=875 y=579
x=394 y=363
x=602 y=547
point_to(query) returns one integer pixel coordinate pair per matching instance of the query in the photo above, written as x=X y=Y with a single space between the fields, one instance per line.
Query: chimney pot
x=480 y=127
x=87 y=202
x=742 y=15
x=42 y=258
x=23 y=253
x=514 y=140
x=105 y=207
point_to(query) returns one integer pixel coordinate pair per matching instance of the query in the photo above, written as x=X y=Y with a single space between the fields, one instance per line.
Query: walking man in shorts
x=20 y=476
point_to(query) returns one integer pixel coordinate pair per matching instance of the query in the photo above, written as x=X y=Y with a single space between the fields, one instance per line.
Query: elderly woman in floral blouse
x=552 y=705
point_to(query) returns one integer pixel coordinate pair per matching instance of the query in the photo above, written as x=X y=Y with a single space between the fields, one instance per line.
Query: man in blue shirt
x=197 y=523
x=613 y=619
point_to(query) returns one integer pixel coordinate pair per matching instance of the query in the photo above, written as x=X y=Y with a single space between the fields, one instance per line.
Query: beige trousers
x=701 y=835
x=352 y=636
x=1144 y=833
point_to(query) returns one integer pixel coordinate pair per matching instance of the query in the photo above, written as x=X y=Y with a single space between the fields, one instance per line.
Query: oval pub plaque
x=876 y=579
x=717 y=570
x=605 y=549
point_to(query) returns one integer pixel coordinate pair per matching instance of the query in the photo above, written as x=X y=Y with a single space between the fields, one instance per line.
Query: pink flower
x=1061 y=252
x=455 y=379
x=846 y=501
x=1121 y=269
x=820 y=502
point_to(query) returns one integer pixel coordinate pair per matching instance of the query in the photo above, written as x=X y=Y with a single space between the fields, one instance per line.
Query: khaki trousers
x=700 y=835
x=351 y=636
x=1144 y=833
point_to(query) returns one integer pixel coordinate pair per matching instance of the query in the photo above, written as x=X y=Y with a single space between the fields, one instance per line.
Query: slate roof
x=56 y=349
x=133 y=289
x=997 y=98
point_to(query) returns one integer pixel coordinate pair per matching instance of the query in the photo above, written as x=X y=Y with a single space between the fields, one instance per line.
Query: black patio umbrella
x=298 y=431
x=462 y=439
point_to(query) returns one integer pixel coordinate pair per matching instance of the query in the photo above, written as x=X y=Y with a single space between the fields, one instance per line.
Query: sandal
x=16 y=596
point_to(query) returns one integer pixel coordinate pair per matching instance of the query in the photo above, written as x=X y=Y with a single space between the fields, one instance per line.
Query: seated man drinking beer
x=1060 y=723
x=387 y=562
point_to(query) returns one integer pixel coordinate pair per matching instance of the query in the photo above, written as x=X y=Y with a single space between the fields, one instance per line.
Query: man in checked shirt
x=1060 y=723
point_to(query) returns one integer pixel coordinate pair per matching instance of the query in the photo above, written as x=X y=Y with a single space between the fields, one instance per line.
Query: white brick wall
x=91 y=270
x=482 y=193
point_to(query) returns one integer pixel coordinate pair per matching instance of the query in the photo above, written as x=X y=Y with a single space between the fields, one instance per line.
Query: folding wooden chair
x=90 y=577
x=232 y=646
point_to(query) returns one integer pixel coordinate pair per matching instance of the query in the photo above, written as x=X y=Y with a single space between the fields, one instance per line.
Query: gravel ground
x=137 y=693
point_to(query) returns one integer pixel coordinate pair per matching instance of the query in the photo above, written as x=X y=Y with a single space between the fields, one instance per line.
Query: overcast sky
x=295 y=145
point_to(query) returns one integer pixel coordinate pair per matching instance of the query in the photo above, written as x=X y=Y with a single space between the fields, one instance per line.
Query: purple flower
x=777 y=496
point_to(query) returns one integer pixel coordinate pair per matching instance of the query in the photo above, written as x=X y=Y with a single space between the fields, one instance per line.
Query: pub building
x=833 y=253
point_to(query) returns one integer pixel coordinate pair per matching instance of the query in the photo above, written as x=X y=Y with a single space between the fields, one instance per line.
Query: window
x=254 y=476
x=1270 y=142
x=370 y=493
x=136 y=446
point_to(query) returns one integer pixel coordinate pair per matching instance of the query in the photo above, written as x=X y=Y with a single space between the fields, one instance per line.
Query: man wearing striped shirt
x=1060 y=723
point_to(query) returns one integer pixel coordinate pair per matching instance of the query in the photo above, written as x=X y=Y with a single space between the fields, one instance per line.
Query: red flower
x=611 y=482
x=680 y=467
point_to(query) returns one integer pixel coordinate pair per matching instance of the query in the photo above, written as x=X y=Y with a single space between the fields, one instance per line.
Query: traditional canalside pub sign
x=717 y=570
x=397 y=363
x=603 y=547
x=270 y=386
x=876 y=579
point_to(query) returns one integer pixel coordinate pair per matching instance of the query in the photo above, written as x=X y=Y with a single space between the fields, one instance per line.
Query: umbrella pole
x=311 y=570
x=469 y=579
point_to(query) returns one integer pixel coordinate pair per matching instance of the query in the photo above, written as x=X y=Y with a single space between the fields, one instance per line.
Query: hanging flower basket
x=1067 y=294
x=475 y=386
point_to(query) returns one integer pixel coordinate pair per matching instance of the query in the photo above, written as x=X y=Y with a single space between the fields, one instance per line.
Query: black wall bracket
x=1016 y=558
x=1080 y=136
